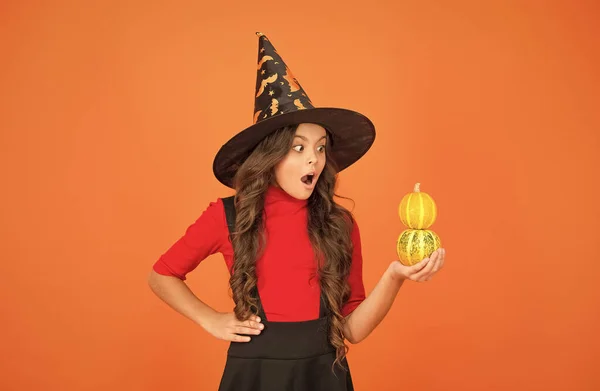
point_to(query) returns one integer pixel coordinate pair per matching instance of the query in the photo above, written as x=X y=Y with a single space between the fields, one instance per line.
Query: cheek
x=284 y=169
x=322 y=162
x=278 y=170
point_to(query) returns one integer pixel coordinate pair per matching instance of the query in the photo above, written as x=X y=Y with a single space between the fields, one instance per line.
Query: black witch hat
x=280 y=101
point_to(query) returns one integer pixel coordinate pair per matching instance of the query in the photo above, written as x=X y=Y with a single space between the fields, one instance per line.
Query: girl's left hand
x=422 y=271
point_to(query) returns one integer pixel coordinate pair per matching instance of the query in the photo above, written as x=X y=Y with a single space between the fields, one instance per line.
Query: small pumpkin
x=417 y=209
x=414 y=245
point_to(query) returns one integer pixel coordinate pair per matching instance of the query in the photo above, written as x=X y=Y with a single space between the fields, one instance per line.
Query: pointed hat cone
x=280 y=101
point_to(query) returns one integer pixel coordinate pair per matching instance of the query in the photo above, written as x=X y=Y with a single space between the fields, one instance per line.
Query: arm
x=167 y=278
x=179 y=297
x=363 y=320
x=206 y=236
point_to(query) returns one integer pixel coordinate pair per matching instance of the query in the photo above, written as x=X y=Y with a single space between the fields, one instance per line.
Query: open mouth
x=308 y=179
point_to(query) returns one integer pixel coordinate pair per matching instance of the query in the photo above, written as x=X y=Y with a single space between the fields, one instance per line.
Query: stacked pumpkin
x=418 y=212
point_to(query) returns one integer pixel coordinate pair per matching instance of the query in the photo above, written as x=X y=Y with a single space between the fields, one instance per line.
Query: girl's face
x=297 y=173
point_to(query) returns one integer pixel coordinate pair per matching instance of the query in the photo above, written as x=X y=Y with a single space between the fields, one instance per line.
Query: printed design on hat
x=292 y=82
x=264 y=82
x=277 y=89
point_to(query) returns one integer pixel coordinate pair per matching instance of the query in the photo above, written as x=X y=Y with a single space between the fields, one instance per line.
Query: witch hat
x=281 y=101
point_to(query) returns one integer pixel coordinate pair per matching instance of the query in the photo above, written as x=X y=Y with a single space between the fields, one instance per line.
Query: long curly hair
x=329 y=230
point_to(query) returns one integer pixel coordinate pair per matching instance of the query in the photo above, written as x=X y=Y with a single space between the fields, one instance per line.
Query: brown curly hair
x=329 y=229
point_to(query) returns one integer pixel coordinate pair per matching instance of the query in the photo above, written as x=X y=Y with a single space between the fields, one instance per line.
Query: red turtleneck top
x=286 y=271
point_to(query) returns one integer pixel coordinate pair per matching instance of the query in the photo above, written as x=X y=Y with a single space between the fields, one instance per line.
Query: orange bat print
x=263 y=60
x=264 y=83
x=292 y=80
x=299 y=104
x=274 y=106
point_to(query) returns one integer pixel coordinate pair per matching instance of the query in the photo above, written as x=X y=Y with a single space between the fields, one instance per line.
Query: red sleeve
x=357 y=289
x=206 y=236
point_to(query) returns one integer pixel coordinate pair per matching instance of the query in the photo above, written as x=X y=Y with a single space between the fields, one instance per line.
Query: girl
x=294 y=254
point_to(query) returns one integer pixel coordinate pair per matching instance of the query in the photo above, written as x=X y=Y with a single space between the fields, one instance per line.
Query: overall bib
x=286 y=356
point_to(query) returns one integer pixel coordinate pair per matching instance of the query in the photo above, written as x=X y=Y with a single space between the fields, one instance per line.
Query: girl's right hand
x=227 y=327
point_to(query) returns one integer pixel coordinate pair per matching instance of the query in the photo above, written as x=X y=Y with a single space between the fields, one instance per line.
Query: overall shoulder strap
x=229 y=213
x=229 y=205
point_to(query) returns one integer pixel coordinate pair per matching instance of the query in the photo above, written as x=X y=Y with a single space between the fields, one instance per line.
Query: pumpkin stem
x=417 y=187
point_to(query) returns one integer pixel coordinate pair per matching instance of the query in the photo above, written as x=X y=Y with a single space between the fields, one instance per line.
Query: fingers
x=435 y=262
x=252 y=324
x=419 y=266
x=238 y=338
x=247 y=330
x=424 y=272
x=241 y=331
x=438 y=262
x=425 y=264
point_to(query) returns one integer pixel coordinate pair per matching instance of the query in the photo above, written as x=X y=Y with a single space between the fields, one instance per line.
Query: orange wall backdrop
x=111 y=113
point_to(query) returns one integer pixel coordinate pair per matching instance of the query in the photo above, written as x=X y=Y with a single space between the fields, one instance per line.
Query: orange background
x=111 y=113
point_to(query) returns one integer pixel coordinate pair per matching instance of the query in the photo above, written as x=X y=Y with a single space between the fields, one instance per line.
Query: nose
x=312 y=158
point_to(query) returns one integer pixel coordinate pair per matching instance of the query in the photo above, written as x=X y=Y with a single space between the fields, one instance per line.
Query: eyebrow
x=305 y=139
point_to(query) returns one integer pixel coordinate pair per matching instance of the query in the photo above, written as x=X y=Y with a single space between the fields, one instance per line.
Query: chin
x=299 y=193
x=302 y=194
x=305 y=195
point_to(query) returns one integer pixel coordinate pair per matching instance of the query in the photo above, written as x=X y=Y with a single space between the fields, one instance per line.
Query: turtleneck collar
x=278 y=199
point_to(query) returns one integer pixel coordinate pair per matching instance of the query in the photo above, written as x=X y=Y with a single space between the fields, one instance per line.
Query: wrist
x=393 y=275
x=205 y=317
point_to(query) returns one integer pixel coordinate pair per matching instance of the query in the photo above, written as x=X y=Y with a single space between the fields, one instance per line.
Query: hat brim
x=353 y=135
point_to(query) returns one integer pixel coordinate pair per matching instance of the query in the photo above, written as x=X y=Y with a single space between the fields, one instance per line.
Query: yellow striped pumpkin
x=417 y=210
x=414 y=245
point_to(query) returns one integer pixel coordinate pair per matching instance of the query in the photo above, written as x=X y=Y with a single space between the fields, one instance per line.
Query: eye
x=321 y=148
x=298 y=148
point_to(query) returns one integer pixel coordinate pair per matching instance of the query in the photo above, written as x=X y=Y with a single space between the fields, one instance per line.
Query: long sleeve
x=206 y=236
x=355 y=278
